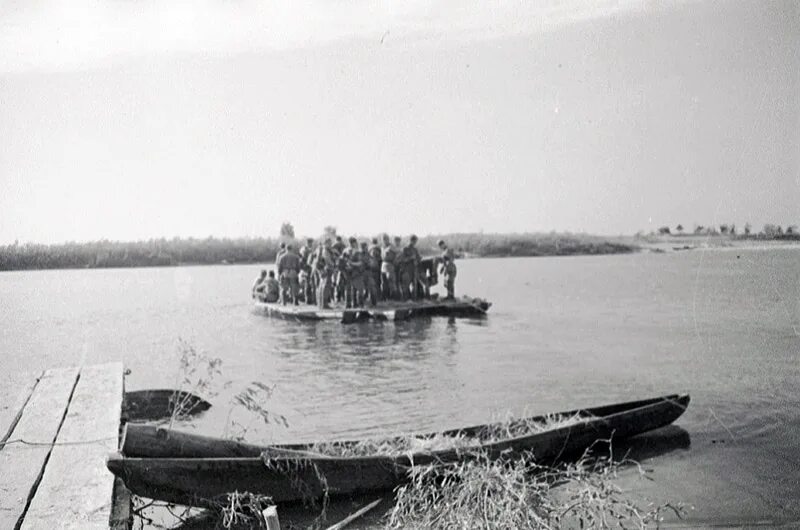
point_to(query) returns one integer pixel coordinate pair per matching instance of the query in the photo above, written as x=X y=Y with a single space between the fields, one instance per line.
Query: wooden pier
x=385 y=311
x=55 y=434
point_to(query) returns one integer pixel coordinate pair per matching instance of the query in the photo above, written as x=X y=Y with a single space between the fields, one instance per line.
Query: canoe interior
x=158 y=404
x=155 y=442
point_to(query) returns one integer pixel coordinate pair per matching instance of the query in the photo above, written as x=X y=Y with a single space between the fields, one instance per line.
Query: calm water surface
x=723 y=325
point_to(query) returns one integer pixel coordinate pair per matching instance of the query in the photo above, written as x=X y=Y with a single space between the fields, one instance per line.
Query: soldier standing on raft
x=372 y=272
x=324 y=264
x=341 y=281
x=339 y=278
x=288 y=270
x=306 y=257
x=303 y=282
x=448 y=268
x=354 y=270
x=398 y=266
x=388 y=276
x=409 y=262
x=281 y=252
x=307 y=249
x=339 y=246
x=375 y=263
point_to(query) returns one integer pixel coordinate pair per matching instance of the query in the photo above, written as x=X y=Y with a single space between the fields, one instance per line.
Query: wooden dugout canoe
x=158 y=404
x=189 y=469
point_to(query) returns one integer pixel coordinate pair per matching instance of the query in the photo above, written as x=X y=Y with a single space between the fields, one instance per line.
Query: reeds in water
x=503 y=493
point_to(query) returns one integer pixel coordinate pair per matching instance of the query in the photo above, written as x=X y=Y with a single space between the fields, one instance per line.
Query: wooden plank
x=122 y=500
x=271 y=518
x=352 y=517
x=20 y=464
x=121 y=509
x=15 y=390
x=76 y=489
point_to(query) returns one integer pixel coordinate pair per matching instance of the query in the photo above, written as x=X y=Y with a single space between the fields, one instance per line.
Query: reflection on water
x=368 y=342
x=656 y=443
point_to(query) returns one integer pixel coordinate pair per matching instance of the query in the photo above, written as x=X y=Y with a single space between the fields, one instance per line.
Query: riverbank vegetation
x=528 y=244
x=190 y=251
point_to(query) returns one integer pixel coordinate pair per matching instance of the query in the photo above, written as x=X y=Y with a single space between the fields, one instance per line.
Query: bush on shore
x=506 y=245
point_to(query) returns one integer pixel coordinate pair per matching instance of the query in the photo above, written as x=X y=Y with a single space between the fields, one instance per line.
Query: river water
x=721 y=324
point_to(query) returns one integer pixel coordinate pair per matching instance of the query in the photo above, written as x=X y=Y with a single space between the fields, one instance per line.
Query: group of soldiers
x=355 y=273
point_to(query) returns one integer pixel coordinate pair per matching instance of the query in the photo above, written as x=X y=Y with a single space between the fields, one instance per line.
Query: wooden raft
x=55 y=433
x=385 y=311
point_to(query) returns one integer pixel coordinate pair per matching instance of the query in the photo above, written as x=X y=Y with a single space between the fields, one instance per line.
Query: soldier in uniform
x=306 y=257
x=303 y=281
x=324 y=264
x=272 y=290
x=372 y=271
x=306 y=250
x=448 y=268
x=258 y=285
x=339 y=278
x=355 y=267
x=398 y=269
x=428 y=275
x=341 y=275
x=339 y=246
x=388 y=274
x=288 y=270
x=409 y=264
x=281 y=252
x=376 y=261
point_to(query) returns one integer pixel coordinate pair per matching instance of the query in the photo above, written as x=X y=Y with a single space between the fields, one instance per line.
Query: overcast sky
x=128 y=120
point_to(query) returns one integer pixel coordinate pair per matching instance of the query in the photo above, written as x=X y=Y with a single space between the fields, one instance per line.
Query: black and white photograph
x=270 y=264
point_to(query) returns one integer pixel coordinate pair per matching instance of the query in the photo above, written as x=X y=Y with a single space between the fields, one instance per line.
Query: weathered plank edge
x=16 y=418
x=35 y=486
x=97 y=387
x=121 y=507
x=122 y=500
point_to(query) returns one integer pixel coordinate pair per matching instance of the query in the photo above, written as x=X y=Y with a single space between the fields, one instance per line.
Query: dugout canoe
x=384 y=311
x=158 y=404
x=194 y=470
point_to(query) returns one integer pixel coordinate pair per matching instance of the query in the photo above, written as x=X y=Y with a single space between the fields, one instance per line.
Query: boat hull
x=387 y=311
x=205 y=471
x=158 y=404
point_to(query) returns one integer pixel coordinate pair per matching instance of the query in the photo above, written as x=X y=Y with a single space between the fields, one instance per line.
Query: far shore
x=678 y=243
x=257 y=251
x=215 y=251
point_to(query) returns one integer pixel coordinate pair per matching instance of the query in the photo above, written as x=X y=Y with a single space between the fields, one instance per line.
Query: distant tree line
x=179 y=251
x=769 y=231
x=150 y=253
